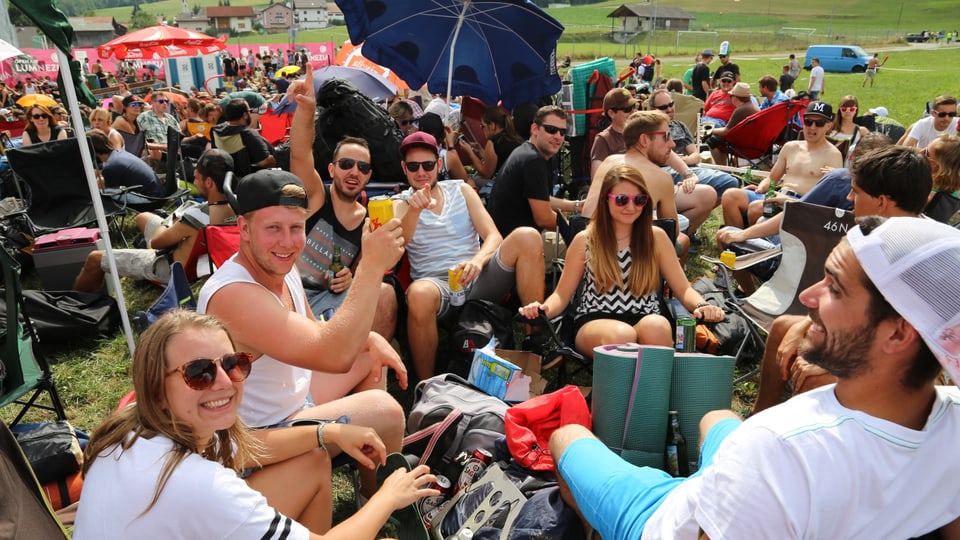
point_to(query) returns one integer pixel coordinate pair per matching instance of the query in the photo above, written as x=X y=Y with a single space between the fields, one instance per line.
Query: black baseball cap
x=263 y=189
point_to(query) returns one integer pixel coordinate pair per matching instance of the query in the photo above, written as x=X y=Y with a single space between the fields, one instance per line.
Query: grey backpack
x=449 y=417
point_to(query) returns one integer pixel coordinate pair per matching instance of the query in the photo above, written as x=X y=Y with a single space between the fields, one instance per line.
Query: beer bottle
x=336 y=264
x=770 y=208
x=676 y=448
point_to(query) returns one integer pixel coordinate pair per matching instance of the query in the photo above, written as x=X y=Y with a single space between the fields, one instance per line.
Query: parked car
x=917 y=37
x=838 y=58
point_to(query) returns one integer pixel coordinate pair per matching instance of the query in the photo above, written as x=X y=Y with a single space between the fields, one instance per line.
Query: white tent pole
x=453 y=47
x=74 y=105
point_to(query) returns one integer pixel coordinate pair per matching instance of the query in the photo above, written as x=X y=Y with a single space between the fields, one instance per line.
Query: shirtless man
x=871 y=72
x=649 y=146
x=798 y=168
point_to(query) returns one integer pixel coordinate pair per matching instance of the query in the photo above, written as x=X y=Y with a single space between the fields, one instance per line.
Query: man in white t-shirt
x=850 y=460
x=942 y=119
x=815 y=88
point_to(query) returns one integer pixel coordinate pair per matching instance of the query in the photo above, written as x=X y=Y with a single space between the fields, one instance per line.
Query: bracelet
x=703 y=304
x=320 y=442
x=689 y=173
x=576 y=206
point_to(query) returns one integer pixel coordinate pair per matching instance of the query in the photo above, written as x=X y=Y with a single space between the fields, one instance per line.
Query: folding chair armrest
x=748 y=260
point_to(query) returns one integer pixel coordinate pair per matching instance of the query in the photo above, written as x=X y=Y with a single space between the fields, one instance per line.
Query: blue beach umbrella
x=490 y=49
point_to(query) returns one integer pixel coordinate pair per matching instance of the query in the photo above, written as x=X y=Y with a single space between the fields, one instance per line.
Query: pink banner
x=38 y=62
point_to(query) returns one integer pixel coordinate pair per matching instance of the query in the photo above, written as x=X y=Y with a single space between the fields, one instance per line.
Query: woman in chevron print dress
x=621 y=259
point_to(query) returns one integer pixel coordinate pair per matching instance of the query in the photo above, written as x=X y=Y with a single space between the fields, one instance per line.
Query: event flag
x=53 y=23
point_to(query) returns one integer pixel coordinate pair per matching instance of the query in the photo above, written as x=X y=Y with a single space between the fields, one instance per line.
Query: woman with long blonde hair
x=170 y=464
x=101 y=119
x=621 y=258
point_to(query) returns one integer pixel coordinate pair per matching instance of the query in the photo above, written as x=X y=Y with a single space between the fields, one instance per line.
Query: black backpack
x=479 y=321
x=344 y=111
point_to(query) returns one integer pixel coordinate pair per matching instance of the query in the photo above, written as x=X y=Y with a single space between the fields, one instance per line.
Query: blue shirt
x=125 y=169
x=778 y=97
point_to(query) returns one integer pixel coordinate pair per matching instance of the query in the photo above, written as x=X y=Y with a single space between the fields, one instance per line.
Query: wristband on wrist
x=320 y=442
x=703 y=304
x=576 y=206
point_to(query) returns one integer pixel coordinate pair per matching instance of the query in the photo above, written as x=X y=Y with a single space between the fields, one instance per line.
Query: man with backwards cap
x=259 y=296
x=867 y=457
x=443 y=225
x=798 y=168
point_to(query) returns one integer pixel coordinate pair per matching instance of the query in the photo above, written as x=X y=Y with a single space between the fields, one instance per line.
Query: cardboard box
x=58 y=257
x=509 y=375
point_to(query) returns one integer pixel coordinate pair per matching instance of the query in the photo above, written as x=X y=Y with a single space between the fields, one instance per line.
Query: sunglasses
x=407 y=122
x=848 y=109
x=943 y=114
x=201 y=373
x=161 y=101
x=414 y=166
x=38 y=116
x=666 y=135
x=346 y=164
x=137 y=104
x=810 y=121
x=621 y=109
x=553 y=130
x=622 y=200
x=665 y=107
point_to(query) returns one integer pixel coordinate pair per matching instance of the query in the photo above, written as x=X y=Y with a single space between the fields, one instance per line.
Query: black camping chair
x=135 y=143
x=56 y=190
x=942 y=207
x=24 y=373
x=129 y=197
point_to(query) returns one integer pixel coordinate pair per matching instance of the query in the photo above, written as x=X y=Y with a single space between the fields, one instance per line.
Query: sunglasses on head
x=810 y=121
x=201 y=373
x=346 y=164
x=38 y=116
x=943 y=114
x=553 y=130
x=620 y=199
x=665 y=107
x=414 y=166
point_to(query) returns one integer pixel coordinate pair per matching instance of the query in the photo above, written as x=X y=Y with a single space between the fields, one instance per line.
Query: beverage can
x=380 y=210
x=728 y=258
x=457 y=295
x=427 y=504
x=686 y=334
x=472 y=467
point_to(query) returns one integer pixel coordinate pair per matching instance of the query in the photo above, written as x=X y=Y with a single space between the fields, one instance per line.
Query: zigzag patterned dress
x=617 y=303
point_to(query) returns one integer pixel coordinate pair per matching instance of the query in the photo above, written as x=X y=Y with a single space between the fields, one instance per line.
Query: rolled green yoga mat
x=631 y=395
x=701 y=383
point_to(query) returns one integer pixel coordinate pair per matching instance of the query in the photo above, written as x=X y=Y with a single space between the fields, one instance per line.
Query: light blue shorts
x=618 y=498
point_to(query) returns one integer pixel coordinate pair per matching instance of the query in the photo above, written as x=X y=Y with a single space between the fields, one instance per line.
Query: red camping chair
x=275 y=128
x=471 y=109
x=14 y=128
x=758 y=138
x=214 y=245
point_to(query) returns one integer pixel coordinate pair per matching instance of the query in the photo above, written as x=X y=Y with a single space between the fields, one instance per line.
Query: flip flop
x=408 y=521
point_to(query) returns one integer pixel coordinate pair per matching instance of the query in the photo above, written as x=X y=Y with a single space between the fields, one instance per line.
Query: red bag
x=530 y=424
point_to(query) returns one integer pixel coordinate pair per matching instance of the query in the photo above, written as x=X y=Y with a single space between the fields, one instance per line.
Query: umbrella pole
x=73 y=103
x=453 y=46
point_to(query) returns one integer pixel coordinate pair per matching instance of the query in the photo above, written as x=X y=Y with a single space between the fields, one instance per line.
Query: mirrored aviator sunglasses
x=620 y=199
x=201 y=373
x=346 y=164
